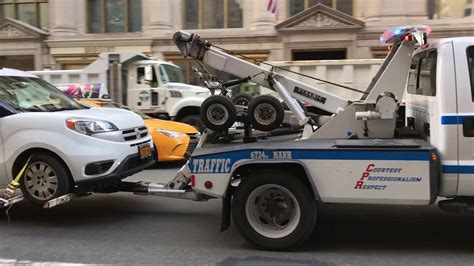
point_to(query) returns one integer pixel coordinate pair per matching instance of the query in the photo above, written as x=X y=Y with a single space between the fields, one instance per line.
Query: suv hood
x=123 y=119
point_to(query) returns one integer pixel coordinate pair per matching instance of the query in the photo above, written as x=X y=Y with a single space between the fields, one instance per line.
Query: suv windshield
x=171 y=73
x=34 y=95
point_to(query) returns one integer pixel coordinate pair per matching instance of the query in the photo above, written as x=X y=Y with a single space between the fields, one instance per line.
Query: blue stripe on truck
x=223 y=162
x=454 y=119
x=362 y=155
x=458 y=169
x=326 y=155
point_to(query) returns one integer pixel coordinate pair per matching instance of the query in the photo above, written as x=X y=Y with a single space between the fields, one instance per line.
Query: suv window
x=422 y=75
x=470 y=64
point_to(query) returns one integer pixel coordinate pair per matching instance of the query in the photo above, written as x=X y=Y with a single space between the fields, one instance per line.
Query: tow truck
x=272 y=186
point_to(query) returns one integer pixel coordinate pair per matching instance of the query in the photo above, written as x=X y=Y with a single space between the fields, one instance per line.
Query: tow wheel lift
x=176 y=188
x=49 y=204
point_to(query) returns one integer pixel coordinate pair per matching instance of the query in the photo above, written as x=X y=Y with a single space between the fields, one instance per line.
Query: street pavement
x=127 y=229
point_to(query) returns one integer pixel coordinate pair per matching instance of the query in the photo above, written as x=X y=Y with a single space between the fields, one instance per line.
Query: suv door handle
x=468 y=127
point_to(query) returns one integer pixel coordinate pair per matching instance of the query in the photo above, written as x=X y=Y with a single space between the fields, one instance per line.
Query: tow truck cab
x=440 y=105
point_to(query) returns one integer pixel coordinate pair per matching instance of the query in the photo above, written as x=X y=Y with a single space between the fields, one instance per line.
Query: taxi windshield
x=34 y=95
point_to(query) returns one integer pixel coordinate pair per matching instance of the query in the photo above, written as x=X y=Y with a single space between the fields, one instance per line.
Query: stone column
x=260 y=18
x=160 y=17
x=63 y=17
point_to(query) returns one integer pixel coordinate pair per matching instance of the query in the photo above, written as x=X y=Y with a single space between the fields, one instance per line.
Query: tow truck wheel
x=265 y=113
x=274 y=210
x=44 y=179
x=242 y=99
x=218 y=113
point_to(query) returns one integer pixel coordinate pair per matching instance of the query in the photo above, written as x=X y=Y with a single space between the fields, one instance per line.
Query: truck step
x=460 y=204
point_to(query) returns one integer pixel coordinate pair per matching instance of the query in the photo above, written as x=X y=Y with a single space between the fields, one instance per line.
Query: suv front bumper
x=130 y=165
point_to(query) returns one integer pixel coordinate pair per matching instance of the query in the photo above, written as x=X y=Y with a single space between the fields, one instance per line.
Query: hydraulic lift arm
x=202 y=50
x=383 y=94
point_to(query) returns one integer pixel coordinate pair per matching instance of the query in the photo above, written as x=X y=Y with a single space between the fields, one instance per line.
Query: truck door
x=464 y=55
x=143 y=91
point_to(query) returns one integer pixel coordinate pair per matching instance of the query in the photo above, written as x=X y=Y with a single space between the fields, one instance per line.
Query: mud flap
x=226 y=211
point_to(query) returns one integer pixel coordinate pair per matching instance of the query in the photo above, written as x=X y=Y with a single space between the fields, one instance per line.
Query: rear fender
x=242 y=170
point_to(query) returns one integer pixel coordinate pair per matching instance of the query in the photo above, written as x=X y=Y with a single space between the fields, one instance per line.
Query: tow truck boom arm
x=200 y=49
x=383 y=94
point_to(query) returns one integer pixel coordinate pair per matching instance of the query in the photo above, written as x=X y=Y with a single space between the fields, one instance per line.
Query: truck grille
x=135 y=133
x=193 y=142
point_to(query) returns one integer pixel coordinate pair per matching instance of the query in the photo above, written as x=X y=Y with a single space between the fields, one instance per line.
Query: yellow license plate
x=145 y=151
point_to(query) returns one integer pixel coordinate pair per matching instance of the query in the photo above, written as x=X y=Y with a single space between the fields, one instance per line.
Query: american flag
x=272 y=6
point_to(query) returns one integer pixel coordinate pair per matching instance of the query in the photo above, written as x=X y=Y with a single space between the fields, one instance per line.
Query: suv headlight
x=89 y=126
x=171 y=134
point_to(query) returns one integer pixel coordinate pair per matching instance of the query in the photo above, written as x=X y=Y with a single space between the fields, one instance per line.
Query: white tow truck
x=272 y=187
x=151 y=86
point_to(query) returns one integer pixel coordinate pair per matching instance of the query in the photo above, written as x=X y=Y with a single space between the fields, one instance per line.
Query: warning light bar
x=398 y=34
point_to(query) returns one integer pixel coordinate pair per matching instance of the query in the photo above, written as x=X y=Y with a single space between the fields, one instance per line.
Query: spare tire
x=265 y=113
x=242 y=99
x=218 y=113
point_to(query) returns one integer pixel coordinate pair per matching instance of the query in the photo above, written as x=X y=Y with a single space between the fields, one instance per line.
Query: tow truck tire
x=265 y=113
x=45 y=178
x=274 y=210
x=218 y=113
x=242 y=99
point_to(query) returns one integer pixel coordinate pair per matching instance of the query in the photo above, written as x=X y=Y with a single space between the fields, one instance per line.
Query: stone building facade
x=69 y=34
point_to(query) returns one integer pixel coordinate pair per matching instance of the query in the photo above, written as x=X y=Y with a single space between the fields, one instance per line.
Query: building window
x=338 y=54
x=114 y=16
x=23 y=62
x=297 y=6
x=212 y=14
x=34 y=12
x=446 y=9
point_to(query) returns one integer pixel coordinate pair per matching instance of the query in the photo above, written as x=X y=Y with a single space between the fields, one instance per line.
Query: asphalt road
x=126 y=229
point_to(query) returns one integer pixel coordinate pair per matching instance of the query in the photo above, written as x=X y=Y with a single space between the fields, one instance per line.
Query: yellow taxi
x=173 y=141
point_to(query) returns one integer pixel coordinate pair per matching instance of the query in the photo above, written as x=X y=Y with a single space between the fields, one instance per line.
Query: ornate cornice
x=320 y=17
x=11 y=29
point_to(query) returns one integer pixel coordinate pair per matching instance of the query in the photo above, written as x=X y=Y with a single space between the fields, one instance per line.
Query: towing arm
x=202 y=50
x=379 y=104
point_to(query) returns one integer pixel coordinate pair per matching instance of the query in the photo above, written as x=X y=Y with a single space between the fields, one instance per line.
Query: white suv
x=72 y=149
